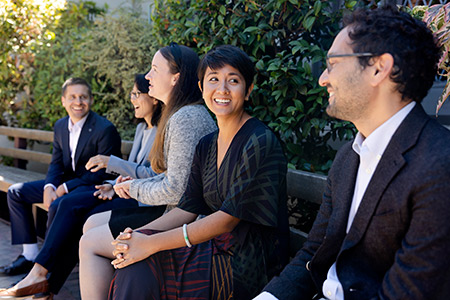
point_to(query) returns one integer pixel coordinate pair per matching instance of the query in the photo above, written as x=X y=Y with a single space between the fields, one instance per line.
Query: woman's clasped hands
x=129 y=248
x=122 y=187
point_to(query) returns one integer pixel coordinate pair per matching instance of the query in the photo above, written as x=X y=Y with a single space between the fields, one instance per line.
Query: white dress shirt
x=370 y=150
x=74 y=136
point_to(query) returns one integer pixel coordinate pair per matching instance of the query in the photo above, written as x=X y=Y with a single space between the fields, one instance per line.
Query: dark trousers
x=67 y=214
x=20 y=197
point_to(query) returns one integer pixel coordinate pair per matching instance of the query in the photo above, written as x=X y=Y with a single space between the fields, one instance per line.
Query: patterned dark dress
x=250 y=185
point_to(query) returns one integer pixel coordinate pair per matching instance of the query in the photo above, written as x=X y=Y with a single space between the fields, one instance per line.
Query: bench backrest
x=38 y=135
x=300 y=184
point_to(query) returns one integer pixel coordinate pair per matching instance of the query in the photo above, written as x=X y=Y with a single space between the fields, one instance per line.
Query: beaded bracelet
x=186 y=239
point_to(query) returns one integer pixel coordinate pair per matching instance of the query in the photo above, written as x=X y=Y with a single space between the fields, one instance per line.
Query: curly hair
x=408 y=40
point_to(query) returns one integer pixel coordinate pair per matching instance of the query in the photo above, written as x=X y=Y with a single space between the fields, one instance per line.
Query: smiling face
x=161 y=79
x=76 y=101
x=224 y=91
x=349 y=92
x=144 y=105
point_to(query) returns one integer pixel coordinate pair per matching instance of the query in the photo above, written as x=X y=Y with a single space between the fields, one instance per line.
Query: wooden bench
x=304 y=185
x=10 y=175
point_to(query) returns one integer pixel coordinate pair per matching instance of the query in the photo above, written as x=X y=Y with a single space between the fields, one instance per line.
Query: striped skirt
x=200 y=272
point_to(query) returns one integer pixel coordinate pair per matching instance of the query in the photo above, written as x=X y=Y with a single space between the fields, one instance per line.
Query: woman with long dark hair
x=183 y=122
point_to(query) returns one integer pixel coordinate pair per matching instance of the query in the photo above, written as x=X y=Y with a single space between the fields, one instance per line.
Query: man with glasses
x=77 y=137
x=382 y=231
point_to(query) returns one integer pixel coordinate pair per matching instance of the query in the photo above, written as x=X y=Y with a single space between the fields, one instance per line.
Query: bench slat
x=31 y=134
x=45 y=158
x=305 y=185
x=11 y=175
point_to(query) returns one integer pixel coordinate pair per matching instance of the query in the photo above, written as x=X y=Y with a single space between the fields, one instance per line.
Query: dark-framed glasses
x=135 y=95
x=362 y=54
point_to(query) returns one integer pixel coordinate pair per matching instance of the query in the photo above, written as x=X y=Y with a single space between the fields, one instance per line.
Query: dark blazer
x=398 y=245
x=98 y=136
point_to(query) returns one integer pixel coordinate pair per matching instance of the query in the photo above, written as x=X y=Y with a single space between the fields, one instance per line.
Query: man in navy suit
x=383 y=230
x=77 y=137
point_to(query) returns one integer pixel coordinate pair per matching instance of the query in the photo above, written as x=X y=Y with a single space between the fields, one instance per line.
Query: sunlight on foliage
x=437 y=18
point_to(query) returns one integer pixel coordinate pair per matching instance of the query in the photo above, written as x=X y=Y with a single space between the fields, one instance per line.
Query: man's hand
x=60 y=191
x=104 y=191
x=97 y=162
x=49 y=196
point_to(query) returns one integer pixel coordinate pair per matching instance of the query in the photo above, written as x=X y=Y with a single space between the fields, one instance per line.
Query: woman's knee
x=96 y=220
x=97 y=241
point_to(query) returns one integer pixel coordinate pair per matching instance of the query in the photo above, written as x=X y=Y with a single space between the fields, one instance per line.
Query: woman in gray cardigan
x=183 y=123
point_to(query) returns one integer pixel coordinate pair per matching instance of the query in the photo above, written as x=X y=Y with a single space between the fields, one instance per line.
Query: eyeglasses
x=135 y=95
x=363 y=54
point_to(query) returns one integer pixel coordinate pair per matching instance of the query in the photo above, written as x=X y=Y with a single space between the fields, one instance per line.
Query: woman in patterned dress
x=237 y=183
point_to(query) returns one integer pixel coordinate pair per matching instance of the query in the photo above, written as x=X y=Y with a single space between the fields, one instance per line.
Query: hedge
x=287 y=40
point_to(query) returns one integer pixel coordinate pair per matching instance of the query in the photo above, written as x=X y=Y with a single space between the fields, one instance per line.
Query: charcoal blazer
x=398 y=244
x=98 y=136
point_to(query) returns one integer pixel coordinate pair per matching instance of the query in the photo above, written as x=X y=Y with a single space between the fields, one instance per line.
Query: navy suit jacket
x=399 y=242
x=98 y=136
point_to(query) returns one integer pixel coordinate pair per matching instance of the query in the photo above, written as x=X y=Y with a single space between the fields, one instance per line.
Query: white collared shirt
x=74 y=136
x=370 y=151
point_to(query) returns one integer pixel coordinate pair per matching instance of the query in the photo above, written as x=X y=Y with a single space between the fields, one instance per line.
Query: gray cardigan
x=132 y=167
x=184 y=129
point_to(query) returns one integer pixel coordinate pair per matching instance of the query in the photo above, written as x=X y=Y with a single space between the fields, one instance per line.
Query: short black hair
x=223 y=55
x=408 y=40
x=75 y=81
x=142 y=85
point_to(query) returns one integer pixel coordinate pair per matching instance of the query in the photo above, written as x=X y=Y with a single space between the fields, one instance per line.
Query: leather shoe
x=20 y=266
x=40 y=287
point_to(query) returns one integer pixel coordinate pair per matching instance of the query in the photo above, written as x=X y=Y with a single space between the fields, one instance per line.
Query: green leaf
x=308 y=22
x=317 y=7
x=223 y=10
x=251 y=29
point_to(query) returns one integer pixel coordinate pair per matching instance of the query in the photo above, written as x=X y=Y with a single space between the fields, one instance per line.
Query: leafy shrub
x=114 y=50
x=54 y=62
x=24 y=25
x=437 y=18
x=287 y=41
x=106 y=52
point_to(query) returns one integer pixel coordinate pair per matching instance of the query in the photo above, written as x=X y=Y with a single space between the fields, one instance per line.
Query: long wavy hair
x=185 y=61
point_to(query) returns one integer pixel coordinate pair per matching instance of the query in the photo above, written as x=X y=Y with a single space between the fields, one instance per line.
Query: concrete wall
x=145 y=5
